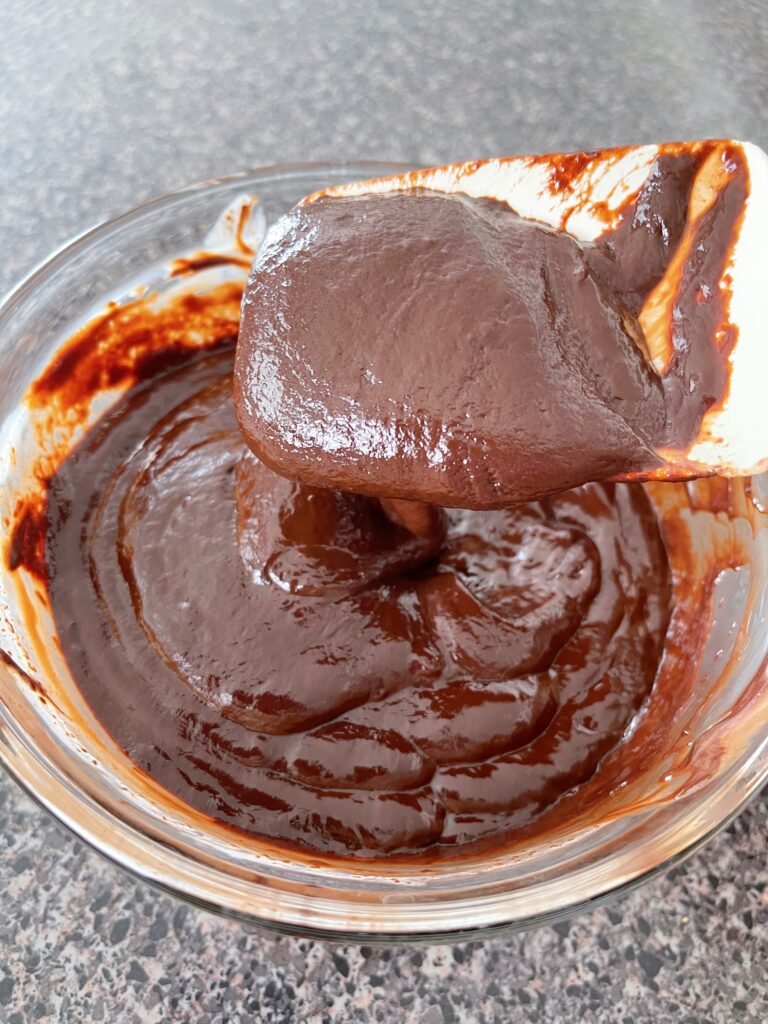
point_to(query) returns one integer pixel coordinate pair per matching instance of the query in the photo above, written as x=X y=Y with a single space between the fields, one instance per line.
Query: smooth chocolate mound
x=419 y=345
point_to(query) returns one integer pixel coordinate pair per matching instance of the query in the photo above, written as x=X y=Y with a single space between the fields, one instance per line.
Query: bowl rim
x=220 y=182
x=52 y=792
x=379 y=938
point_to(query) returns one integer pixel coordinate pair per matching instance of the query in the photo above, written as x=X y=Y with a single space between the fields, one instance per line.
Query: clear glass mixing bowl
x=53 y=745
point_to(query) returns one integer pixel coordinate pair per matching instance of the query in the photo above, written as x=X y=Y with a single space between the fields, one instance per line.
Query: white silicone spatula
x=585 y=195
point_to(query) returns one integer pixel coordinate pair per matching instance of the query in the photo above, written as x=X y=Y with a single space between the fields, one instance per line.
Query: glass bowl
x=713 y=759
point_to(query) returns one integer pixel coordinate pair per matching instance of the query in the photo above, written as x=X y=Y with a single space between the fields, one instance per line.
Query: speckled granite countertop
x=103 y=104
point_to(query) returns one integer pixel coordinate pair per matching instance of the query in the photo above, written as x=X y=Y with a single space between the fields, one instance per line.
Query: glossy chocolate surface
x=290 y=661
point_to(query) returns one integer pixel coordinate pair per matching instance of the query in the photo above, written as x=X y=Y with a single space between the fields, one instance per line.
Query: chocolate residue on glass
x=291 y=661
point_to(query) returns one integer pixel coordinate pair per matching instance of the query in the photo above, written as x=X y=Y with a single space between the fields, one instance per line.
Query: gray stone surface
x=103 y=104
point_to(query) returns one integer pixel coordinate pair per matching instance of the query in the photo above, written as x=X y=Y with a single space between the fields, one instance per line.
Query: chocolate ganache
x=252 y=596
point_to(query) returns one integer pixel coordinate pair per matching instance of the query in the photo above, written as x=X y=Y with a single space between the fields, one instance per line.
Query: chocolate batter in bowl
x=684 y=764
